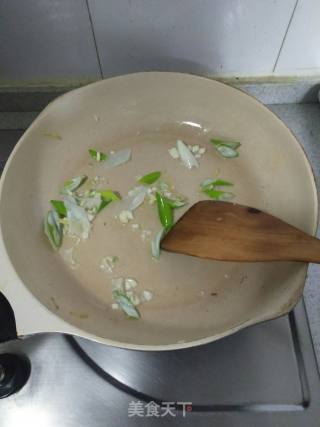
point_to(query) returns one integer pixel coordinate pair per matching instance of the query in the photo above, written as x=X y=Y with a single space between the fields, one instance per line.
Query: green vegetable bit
x=221 y=183
x=231 y=144
x=177 y=203
x=59 y=207
x=210 y=184
x=53 y=135
x=218 y=194
x=73 y=184
x=107 y=196
x=227 y=149
x=126 y=304
x=227 y=152
x=150 y=178
x=209 y=187
x=165 y=211
x=53 y=229
x=98 y=156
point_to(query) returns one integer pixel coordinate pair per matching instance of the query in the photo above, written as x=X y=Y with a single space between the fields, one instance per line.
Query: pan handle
x=29 y=315
x=8 y=330
x=14 y=368
x=23 y=313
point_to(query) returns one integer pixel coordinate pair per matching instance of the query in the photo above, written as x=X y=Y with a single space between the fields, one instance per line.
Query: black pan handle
x=14 y=368
x=8 y=329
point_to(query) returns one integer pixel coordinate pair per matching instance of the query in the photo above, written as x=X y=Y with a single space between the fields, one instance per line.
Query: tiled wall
x=63 y=40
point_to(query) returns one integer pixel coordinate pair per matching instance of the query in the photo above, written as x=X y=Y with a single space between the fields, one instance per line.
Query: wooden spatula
x=230 y=232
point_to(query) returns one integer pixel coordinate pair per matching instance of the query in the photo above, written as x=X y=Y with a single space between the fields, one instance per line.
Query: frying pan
x=198 y=303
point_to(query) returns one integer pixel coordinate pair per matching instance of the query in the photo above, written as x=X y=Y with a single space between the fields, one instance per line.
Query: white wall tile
x=43 y=40
x=300 y=53
x=201 y=36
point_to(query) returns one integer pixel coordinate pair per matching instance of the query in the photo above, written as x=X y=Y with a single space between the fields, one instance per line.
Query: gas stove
x=264 y=375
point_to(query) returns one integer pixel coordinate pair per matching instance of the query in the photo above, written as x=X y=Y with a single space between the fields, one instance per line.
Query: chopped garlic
x=152 y=199
x=108 y=263
x=125 y=216
x=195 y=148
x=147 y=295
x=95 y=182
x=130 y=284
x=174 y=153
x=115 y=306
x=202 y=150
x=164 y=186
x=135 y=226
x=76 y=238
x=145 y=235
x=135 y=300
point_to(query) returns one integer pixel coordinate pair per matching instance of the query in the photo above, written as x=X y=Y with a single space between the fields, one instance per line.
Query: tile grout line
x=94 y=39
x=285 y=36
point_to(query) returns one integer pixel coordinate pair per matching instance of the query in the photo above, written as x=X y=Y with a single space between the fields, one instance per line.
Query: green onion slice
x=107 y=196
x=231 y=144
x=53 y=229
x=150 y=178
x=98 y=156
x=165 y=211
x=73 y=184
x=126 y=304
x=59 y=207
x=218 y=195
x=227 y=149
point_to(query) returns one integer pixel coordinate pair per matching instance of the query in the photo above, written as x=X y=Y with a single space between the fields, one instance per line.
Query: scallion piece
x=107 y=196
x=165 y=211
x=177 y=203
x=209 y=184
x=150 y=178
x=98 y=156
x=227 y=152
x=155 y=244
x=118 y=158
x=53 y=135
x=221 y=183
x=218 y=194
x=186 y=155
x=231 y=144
x=126 y=304
x=53 y=229
x=59 y=207
x=73 y=184
x=227 y=149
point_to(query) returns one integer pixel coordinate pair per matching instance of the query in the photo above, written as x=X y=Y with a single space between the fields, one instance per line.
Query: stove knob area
x=14 y=373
